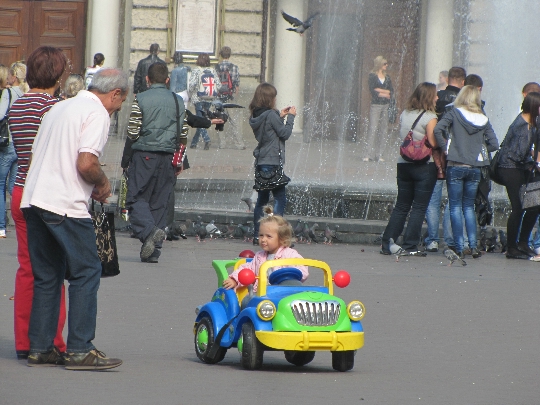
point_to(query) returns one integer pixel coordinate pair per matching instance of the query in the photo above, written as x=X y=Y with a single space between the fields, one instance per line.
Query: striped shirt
x=25 y=118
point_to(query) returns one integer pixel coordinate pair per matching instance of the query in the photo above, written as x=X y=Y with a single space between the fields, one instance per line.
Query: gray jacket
x=469 y=139
x=271 y=134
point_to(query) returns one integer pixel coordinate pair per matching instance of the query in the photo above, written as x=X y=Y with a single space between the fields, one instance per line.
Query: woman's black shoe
x=255 y=241
x=526 y=250
x=516 y=254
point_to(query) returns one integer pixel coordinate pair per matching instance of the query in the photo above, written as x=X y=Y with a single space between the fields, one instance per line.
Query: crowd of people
x=460 y=139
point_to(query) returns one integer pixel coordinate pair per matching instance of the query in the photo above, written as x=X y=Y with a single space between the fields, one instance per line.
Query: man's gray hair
x=108 y=79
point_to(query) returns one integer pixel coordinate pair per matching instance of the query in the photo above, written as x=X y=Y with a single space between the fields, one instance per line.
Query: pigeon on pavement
x=504 y=241
x=213 y=230
x=249 y=202
x=452 y=257
x=300 y=26
x=330 y=235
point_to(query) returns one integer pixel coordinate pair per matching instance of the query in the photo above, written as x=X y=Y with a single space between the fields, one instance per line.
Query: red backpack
x=416 y=151
x=226 y=91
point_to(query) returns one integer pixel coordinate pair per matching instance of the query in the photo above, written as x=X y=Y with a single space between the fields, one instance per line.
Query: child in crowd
x=275 y=235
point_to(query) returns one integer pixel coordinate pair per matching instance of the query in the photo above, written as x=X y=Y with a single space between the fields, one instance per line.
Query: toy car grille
x=316 y=313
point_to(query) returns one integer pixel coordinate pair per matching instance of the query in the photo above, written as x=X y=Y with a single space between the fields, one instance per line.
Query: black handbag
x=494 y=169
x=105 y=241
x=4 y=130
x=529 y=193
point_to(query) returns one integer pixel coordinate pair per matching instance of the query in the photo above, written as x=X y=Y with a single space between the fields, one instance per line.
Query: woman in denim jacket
x=515 y=164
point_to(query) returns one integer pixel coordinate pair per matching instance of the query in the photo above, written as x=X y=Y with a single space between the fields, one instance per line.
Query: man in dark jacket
x=456 y=80
x=139 y=81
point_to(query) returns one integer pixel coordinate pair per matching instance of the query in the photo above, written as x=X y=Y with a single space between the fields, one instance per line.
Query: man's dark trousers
x=151 y=180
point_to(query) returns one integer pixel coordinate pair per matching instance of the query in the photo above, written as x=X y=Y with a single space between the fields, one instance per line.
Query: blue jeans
x=433 y=215
x=56 y=242
x=415 y=188
x=8 y=171
x=462 y=184
x=280 y=200
x=199 y=108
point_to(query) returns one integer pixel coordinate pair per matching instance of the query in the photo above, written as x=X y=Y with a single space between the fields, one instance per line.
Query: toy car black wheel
x=343 y=361
x=252 y=349
x=299 y=358
x=204 y=339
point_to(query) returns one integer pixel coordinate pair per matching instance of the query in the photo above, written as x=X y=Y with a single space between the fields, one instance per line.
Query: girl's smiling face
x=269 y=238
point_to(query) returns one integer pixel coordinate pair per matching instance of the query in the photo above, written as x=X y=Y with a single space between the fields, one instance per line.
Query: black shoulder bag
x=4 y=130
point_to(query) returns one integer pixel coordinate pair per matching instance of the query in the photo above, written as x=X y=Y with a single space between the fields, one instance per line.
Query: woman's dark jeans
x=512 y=179
x=415 y=187
x=280 y=200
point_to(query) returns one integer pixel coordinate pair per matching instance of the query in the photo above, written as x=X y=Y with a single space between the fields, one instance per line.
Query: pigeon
x=201 y=232
x=298 y=228
x=229 y=233
x=491 y=241
x=504 y=241
x=312 y=235
x=300 y=26
x=240 y=231
x=213 y=230
x=395 y=249
x=482 y=241
x=378 y=239
x=330 y=235
x=249 y=202
x=452 y=257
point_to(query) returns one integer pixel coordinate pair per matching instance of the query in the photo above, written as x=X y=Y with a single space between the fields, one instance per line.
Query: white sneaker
x=2 y=233
x=432 y=247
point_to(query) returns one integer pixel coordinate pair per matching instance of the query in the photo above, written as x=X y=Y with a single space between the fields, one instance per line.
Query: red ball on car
x=247 y=254
x=342 y=279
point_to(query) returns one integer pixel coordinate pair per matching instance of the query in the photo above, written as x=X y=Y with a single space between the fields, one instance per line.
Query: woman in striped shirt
x=45 y=66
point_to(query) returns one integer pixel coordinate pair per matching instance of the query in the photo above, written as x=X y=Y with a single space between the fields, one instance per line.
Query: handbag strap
x=533 y=171
x=178 y=133
x=417 y=119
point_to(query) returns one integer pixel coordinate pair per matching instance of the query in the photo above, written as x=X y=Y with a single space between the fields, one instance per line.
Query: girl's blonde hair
x=3 y=76
x=378 y=63
x=469 y=99
x=18 y=70
x=285 y=230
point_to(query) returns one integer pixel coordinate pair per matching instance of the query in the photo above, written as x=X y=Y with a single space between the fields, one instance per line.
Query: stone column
x=289 y=65
x=439 y=38
x=103 y=31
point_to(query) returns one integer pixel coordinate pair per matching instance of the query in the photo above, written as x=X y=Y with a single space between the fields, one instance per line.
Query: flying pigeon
x=452 y=257
x=300 y=26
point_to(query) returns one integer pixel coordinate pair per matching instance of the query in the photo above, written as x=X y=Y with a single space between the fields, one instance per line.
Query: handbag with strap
x=529 y=193
x=4 y=129
x=418 y=152
x=105 y=241
x=180 y=153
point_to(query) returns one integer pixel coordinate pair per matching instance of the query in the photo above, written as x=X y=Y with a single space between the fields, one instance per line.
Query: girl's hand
x=292 y=110
x=284 y=112
x=229 y=283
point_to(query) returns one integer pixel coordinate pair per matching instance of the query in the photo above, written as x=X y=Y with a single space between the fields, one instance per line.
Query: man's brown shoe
x=93 y=360
x=47 y=359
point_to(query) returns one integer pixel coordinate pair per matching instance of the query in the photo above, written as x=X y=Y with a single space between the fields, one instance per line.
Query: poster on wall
x=196 y=26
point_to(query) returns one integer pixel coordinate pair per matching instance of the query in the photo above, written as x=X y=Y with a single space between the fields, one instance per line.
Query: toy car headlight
x=356 y=310
x=266 y=310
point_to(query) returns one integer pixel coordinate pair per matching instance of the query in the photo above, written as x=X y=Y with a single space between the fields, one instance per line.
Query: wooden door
x=26 y=25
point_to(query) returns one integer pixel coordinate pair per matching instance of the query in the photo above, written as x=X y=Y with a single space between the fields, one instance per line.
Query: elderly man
x=60 y=231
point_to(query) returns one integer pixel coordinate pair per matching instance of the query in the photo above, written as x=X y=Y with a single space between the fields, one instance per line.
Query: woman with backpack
x=467 y=151
x=415 y=180
x=516 y=165
x=204 y=85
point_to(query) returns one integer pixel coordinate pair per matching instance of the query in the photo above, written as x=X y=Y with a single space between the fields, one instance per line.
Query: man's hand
x=90 y=170
x=217 y=121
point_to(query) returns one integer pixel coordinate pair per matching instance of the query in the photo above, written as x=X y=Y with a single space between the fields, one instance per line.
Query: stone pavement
x=434 y=334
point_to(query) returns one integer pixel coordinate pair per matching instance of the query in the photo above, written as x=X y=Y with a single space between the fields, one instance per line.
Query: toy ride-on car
x=284 y=314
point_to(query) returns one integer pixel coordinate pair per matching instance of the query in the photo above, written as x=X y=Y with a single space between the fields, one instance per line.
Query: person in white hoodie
x=472 y=137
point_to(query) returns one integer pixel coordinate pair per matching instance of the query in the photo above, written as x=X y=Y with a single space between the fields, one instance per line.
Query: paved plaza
x=433 y=334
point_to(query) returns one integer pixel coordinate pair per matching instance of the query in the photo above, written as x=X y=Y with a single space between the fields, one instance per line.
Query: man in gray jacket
x=151 y=176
